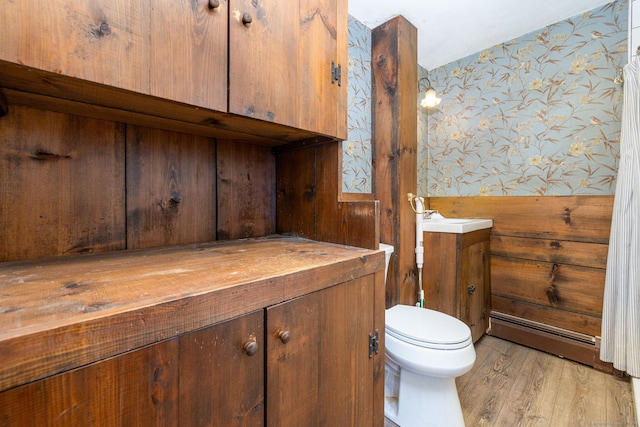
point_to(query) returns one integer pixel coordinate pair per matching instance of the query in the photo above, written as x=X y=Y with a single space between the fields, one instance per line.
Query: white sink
x=455 y=225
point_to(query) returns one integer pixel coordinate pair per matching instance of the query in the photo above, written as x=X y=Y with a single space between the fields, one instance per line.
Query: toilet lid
x=426 y=328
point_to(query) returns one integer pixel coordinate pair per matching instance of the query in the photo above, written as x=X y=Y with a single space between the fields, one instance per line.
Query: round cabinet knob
x=246 y=19
x=284 y=336
x=214 y=4
x=251 y=348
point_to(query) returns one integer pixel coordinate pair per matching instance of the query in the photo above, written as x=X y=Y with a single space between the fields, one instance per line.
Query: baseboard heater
x=571 y=345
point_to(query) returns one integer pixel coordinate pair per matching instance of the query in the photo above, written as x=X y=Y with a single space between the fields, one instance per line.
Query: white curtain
x=621 y=308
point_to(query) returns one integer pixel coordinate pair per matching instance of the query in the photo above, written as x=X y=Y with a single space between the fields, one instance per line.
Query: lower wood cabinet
x=319 y=372
x=456 y=277
x=200 y=378
x=221 y=371
x=304 y=362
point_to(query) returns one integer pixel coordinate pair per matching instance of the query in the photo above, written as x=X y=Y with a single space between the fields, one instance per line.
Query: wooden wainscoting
x=548 y=260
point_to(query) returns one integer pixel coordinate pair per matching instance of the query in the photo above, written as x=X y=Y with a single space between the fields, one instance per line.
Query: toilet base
x=423 y=401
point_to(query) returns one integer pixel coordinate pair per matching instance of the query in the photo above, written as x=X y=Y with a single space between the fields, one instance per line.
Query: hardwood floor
x=512 y=385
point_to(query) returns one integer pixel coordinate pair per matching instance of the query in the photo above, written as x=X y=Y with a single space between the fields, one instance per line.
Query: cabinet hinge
x=373 y=343
x=336 y=73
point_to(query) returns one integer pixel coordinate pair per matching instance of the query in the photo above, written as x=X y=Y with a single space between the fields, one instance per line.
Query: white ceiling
x=452 y=29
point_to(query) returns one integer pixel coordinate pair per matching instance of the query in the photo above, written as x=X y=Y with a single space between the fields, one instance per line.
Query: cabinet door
x=263 y=63
x=201 y=378
x=318 y=369
x=188 y=52
x=280 y=62
x=90 y=39
x=474 y=301
x=323 y=41
x=222 y=374
x=135 y=389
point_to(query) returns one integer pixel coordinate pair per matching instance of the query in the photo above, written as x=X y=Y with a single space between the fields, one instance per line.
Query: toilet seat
x=427 y=328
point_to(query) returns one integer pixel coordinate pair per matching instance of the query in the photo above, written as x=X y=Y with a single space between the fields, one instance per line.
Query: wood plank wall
x=548 y=260
x=310 y=203
x=394 y=116
x=72 y=184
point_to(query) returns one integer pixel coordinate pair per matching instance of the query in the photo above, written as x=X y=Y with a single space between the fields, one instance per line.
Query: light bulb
x=430 y=99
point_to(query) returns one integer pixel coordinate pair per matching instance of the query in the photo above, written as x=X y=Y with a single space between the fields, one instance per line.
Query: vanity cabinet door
x=474 y=289
x=318 y=369
x=102 y=41
x=456 y=277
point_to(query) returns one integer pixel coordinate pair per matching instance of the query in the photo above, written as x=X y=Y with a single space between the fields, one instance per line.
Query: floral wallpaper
x=356 y=151
x=538 y=115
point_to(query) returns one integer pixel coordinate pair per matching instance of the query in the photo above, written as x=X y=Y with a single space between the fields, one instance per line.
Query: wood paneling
x=246 y=186
x=63 y=183
x=309 y=203
x=559 y=286
x=296 y=192
x=171 y=188
x=572 y=218
x=548 y=260
x=584 y=254
x=394 y=116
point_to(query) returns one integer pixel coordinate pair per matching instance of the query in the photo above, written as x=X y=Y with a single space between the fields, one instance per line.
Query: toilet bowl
x=425 y=351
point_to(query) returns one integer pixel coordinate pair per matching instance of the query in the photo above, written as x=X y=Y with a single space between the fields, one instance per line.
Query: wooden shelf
x=61 y=313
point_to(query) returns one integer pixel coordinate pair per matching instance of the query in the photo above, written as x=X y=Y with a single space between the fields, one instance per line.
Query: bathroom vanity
x=456 y=278
x=245 y=332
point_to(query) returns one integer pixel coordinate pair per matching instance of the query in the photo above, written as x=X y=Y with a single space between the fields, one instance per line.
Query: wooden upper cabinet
x=171 y=49
x=280 y=63
x=90 y=40
x=323 y=42
x=263 y=60
x=271 y=60
x=188 y=52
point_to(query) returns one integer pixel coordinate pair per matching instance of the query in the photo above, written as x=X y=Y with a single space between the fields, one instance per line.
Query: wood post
x=394 y=149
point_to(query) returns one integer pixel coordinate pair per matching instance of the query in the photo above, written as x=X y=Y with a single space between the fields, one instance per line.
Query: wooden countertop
x=61 y=313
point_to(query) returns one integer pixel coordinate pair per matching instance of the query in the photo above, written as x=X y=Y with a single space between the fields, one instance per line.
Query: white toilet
x=425 y=351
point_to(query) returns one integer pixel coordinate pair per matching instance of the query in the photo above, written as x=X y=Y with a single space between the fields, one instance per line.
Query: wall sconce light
x=430 y=99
